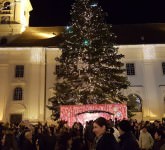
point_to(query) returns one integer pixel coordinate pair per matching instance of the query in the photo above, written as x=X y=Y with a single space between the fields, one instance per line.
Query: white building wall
x=33 y=83
x=4 y=81
x=51 y=54
x=151 y=90
x=148 y=77
x=38 y=82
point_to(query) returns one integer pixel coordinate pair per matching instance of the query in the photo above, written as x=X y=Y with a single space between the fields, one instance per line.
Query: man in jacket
x=127 y=139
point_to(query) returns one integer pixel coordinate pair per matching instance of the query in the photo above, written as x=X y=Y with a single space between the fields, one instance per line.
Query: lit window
x=130 y=67
x=163 y=67
x=18 y=94
x=19 y=71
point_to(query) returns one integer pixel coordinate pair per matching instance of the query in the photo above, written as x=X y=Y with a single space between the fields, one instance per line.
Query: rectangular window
x=130 y=67
x=18 y=94
x=163 y=67
x=19 y=71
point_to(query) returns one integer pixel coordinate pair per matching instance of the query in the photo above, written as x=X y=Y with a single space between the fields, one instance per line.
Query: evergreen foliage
x=90 y=70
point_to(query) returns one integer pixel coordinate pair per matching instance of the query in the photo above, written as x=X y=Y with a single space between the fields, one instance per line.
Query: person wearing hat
x=127 y=139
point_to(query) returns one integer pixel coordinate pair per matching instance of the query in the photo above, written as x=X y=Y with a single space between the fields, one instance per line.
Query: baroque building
x=27 y=65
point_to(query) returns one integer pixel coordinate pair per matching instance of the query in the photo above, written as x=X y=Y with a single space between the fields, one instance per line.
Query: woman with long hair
x=104 y=139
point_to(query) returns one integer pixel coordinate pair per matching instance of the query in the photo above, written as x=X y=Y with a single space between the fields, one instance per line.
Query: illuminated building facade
x=27 y=65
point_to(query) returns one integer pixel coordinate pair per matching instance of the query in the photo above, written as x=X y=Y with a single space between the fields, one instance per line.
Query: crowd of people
x=100 y=134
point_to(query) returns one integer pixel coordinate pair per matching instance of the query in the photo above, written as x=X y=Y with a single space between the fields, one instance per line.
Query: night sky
x=56 y=12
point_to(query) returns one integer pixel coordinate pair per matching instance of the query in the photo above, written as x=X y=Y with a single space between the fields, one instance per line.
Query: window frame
x=163 y=68
x=18 y=94
x=130 y=70
x=19 y=72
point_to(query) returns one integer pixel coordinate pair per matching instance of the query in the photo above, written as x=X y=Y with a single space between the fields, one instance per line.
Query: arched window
x=134 y=103
x=7 y=6
x=18 y=94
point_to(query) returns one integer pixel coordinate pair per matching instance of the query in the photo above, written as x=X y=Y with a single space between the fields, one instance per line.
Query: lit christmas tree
x=90 y=70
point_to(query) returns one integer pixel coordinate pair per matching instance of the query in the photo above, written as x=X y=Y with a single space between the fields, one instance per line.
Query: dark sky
x=56 y=12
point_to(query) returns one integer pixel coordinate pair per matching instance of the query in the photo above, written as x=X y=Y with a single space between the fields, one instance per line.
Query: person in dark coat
x=103 y=139
x=27 y=142
x=9 y=142
x=127 y=139
x=159 y=140
x=50 y=141
x=40 y=140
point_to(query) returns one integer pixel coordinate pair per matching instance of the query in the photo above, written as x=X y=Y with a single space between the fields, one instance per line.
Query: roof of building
x=38 y=36
x=128 y=34
x=140 y=34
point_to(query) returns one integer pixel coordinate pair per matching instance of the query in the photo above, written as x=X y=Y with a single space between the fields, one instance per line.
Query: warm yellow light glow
x=17 y=108
x=152 y=115
x=33 y=117
x=46 y=35
x=25 y=8
x=149 y=52
x=22 y=11
x=33 y=114
x=23 y=29
x=37 y=55
x=1 y=114
x=2 y=108
x=163 y=115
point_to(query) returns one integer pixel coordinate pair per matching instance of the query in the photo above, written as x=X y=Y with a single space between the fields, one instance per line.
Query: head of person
x=156 y=123
x=159 y=135
x=144 y=129
x=100 y=126
x=124 y=126
x=28 y=135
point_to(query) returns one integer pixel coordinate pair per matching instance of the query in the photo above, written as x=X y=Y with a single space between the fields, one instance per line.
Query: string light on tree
x=91 y=70
x=86 y=42
x=94 y=4
x=69 y=29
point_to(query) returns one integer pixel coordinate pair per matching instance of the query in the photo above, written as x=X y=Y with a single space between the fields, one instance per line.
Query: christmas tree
x=90 y=70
